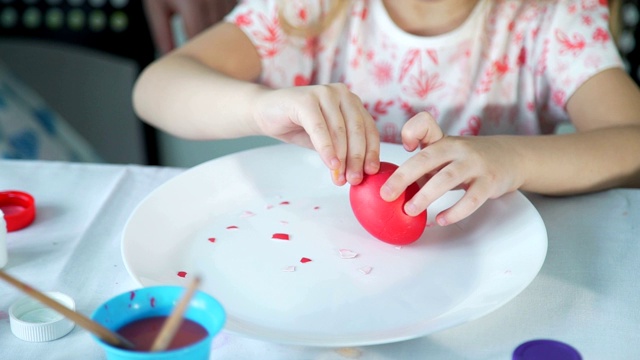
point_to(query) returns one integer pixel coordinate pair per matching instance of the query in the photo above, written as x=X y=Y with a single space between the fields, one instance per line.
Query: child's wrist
x=255 y=109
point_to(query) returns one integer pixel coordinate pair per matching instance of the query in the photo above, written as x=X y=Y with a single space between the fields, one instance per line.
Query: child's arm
x=604 y=153
x=205 y=90
x=181 y=93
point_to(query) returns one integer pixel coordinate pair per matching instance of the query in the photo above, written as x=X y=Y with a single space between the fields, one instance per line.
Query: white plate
x=450 y=276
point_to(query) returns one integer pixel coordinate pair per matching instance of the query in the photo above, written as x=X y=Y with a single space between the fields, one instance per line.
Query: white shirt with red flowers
x=508 y=69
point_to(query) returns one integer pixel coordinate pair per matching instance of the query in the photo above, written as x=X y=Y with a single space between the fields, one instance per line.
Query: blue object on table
x=545 y=350
x=160 y=301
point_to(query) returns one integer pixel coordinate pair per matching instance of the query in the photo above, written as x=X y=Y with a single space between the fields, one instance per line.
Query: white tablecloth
x=587 y=293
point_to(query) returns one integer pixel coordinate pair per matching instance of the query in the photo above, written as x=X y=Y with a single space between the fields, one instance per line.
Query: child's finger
x=355 y=122
x=312 y=119
x=334 y=120
x=421 y=130
x=372 y=154
x=473 y=198
x=430 y=160
x=448 y=178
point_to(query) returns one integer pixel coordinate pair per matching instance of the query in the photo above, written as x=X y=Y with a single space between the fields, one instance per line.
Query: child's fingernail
x=385 y=192
x=338 y=178
x=442 y=221
x=410 y=209
x=355 y=178
x=335 y=164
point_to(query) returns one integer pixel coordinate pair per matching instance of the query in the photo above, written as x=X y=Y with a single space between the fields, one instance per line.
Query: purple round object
x=545 y=349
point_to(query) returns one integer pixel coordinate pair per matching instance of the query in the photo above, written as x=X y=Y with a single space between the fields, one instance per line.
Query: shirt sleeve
x=577 y=46
x=284 y=61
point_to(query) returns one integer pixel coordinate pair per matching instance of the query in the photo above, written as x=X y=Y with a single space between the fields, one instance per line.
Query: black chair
x=116 y=27
x=629 y=32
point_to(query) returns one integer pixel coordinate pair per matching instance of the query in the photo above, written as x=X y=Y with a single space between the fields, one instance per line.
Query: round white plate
x=218 y=219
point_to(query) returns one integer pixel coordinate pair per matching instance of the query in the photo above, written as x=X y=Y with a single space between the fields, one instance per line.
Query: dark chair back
x=116 y=27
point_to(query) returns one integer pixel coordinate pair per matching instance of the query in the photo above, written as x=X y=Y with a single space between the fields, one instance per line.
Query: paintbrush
x=173 y=322
x=98 y=330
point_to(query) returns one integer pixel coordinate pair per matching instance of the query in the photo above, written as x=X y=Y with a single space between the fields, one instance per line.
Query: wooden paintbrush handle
x=173 y=322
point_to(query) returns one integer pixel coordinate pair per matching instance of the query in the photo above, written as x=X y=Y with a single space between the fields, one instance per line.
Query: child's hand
x=486 y=167
x=327 y=118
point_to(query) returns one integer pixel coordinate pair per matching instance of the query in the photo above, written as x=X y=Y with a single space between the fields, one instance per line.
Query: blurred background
x=74 y=62
x=68 y=66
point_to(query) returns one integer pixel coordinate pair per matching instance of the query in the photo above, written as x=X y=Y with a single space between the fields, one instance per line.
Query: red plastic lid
x=19 y=209
x=546 y=349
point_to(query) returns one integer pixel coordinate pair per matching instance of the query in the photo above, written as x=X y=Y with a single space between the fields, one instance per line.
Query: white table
x=587 y=293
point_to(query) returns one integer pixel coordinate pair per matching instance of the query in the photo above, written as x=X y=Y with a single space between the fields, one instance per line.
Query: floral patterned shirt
x=508 y=69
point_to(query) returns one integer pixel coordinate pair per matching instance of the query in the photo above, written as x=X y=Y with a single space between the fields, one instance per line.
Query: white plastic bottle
x=3 y=241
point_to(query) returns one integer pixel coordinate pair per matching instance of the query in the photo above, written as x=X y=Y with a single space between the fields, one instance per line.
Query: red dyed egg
x=386 y=221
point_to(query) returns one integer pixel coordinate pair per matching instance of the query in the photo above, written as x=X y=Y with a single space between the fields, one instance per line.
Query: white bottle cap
x=33 y=321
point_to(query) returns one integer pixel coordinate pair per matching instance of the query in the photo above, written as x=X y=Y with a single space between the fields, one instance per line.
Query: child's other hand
x=327 y=118
x=484 y=166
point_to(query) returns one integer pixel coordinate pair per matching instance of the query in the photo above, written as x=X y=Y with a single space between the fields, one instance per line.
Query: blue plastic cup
x=160 y=301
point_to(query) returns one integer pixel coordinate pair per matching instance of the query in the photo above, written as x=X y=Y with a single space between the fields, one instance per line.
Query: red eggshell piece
x=280 y=236
x=386 y=221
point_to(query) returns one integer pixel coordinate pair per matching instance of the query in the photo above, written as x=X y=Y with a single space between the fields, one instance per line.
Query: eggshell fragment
x=386 y=221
